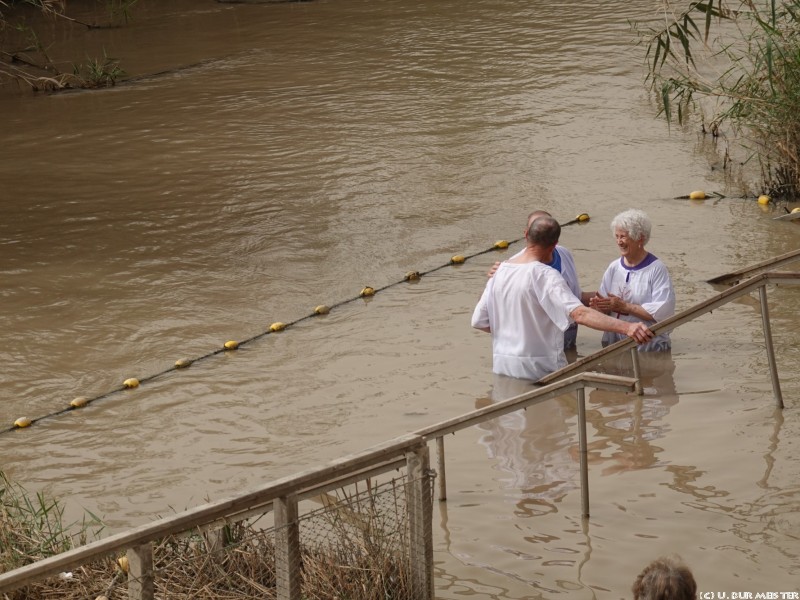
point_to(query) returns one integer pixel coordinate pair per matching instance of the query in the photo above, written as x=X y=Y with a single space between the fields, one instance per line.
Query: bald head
x=543 y=231
x=536 y=214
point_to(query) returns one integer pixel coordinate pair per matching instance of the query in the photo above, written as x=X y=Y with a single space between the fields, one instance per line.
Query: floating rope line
x=233 y=345
x=700 y=195
x=763 y=199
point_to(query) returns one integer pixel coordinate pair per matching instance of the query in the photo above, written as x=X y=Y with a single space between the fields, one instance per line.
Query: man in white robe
x=564 y=263
x=527 y=306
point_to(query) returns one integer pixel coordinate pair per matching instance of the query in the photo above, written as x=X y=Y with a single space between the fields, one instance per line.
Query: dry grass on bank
x=363 y=563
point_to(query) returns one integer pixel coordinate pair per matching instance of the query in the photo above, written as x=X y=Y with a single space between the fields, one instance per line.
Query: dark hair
x=666 y=578
x=544 y=231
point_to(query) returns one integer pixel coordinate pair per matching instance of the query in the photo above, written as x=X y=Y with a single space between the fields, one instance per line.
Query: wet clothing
x=649 y=285
x=564 y=263
x=526 y=306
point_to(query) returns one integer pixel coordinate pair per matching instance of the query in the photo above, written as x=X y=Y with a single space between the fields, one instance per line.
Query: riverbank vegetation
x=25 y=48
x=353 y=548
x=734 y=65
x=32 y=527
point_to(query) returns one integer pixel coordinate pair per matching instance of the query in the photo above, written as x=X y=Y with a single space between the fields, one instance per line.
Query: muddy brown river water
x=312 y=149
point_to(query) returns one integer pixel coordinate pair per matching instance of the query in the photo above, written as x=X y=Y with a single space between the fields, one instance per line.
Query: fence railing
x=757 y=282
x=212 y=522
x=576 y=383
x=281 y=498
x=765 y=265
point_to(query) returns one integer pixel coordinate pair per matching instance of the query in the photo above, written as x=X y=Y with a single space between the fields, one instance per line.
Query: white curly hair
x=635 y=223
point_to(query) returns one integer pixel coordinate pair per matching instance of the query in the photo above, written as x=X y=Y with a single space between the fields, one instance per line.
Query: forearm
x=628 y=308
x=596 y=320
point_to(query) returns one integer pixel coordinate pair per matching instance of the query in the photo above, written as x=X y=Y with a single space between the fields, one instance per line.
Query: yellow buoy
x=697 y=195
x=583 y=217
x=367 y=291
x=412 y=276
x=457 y=259
x=795 y=210
x=277 y=326
x=22 y=422
x=321 y=309
x=79 y=402
x=500 y=244
x=763 y=199
x=231 y=345
x=122 y=561
x=131 y=383
x=183 y=363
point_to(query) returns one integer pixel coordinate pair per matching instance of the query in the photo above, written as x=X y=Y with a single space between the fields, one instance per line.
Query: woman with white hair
x=636 y=287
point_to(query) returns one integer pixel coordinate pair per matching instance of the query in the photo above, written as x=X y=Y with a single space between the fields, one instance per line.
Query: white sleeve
x=608 y=279
x=662 y=295
x=480 y=316
x=568 y=270
x=557 y=299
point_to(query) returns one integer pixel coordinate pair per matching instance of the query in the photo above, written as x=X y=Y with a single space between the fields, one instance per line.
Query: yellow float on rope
x=22 y=422
x=183 y=363
x=583 y=217
x=321 y=310
x=79 y=402
x=412 y=276
x=231 y=345
x=367 y=291
x=131 y=383
x=500 y=245
x=457 y=259
x=277 y=326
x=697 y=195
x=763 y=199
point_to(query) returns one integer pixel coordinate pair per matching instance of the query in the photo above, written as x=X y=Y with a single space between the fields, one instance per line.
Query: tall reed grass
x=743 y=59
x=32 y=526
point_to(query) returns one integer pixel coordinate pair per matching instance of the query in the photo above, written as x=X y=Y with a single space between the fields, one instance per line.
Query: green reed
x=739 y=64
x=32 y=526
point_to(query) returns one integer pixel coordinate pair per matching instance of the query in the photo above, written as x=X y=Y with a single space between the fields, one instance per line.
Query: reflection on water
x=627 y=424
x=537 y=447
x=532 y=447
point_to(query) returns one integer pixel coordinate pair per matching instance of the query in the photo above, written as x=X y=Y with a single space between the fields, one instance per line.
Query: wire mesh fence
x=358 y=542
x=355 y=542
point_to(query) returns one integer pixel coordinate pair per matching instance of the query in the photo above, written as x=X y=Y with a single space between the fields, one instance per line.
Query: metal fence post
x=440 y=475
x=584 y=452
x=287 y=548
x=637 y=370
x=420 y=523
x=140 y=572
x=773 y=368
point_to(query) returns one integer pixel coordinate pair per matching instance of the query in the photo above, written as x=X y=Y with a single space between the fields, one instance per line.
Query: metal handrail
x=380 y=458
x=750 y=270
x=757 y=282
